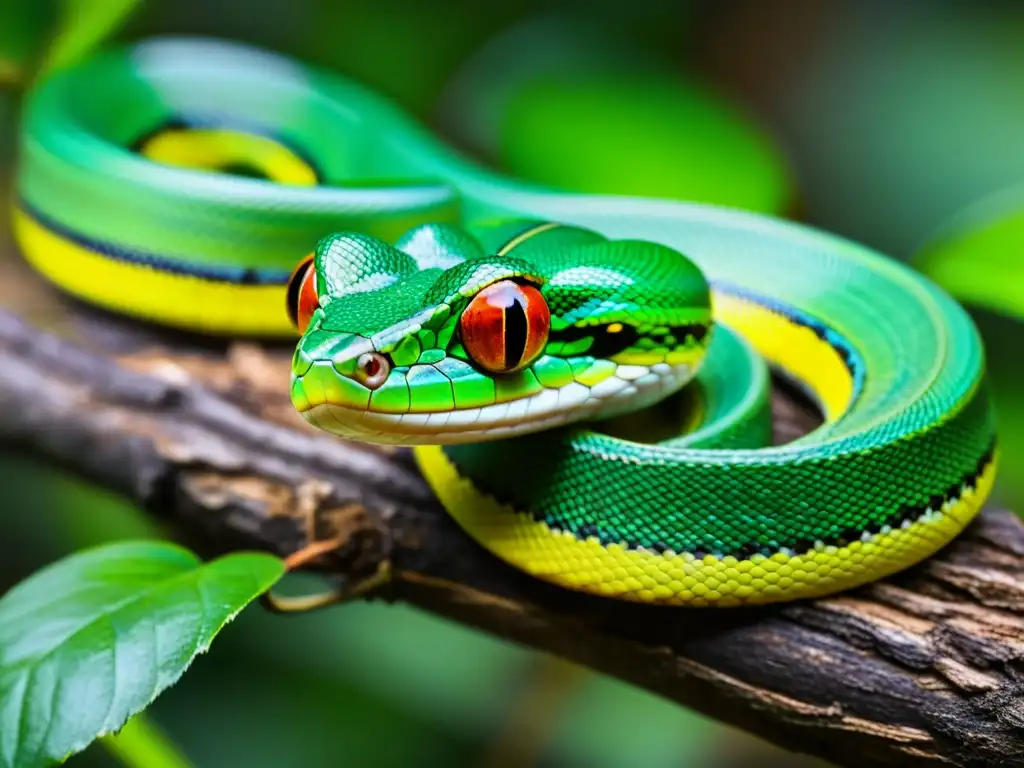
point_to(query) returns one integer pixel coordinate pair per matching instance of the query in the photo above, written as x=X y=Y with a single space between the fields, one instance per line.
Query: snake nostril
x=372 y=369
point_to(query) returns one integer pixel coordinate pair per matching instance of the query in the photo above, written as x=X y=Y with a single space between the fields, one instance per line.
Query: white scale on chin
x=545 y=409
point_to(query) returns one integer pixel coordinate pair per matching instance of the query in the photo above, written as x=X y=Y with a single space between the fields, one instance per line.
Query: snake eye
x=302 y=297
x=505 y=326
x=372 y=369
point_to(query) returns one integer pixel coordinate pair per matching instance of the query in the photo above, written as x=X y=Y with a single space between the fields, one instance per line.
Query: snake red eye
x=505 y=326
x=302 y=297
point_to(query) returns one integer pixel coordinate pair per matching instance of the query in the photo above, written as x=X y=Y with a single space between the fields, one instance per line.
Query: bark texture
x=923 y=668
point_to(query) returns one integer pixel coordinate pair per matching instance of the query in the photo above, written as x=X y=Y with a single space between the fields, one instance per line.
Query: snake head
x=453 y=337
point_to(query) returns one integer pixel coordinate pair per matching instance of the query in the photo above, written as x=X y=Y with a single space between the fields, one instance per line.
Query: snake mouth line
x=549 y=408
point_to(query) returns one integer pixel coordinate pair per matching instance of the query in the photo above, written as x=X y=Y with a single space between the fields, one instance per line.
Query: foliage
x=140 y=744
x=81 y=26
x=39 y=35
x=92 y=639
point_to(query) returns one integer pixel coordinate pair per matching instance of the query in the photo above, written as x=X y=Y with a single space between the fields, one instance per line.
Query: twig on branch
x=922 y=668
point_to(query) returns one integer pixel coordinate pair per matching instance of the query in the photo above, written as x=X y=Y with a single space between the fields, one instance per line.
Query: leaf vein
x=21 y=711
x=54 y=696
x=113 y=662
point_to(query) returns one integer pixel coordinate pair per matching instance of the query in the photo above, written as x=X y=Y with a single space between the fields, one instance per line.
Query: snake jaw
x=343 y=410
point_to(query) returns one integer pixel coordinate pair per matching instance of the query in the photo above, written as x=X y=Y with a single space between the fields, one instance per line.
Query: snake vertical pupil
x=516 y=330
x=302 y=299
x=505 y=326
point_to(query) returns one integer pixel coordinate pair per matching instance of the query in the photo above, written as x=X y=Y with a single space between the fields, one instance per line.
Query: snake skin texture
x=514 y=333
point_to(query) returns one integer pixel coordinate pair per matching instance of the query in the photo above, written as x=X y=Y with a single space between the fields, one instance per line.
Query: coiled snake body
x=499 y=326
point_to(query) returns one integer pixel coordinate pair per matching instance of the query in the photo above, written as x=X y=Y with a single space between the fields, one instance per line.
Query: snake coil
x=491 y=323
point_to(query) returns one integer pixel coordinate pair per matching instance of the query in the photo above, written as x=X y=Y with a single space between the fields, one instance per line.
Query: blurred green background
x=876 y=120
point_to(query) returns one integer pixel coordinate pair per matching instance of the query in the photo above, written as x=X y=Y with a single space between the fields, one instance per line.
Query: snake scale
x=510 y=331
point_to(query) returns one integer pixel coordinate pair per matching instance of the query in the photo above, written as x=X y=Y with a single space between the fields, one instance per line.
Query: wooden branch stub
x=922 y=668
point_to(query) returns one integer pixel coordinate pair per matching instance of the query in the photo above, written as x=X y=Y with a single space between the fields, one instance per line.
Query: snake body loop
x=495 y=324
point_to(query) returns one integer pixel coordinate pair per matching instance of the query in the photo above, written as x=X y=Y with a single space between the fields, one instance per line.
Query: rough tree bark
x=922 y=668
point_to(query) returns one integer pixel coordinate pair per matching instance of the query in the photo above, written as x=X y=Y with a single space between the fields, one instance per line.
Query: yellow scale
x=682 y=579
x=173 y=299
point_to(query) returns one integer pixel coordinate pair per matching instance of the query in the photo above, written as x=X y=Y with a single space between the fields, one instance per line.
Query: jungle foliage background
x=889 y=119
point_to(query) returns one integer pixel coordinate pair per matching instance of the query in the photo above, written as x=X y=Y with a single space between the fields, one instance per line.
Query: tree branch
x=925 y=667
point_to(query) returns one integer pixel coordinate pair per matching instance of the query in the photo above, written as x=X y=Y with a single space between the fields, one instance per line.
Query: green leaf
x=976 y=255
x=39 y=35
x=140 y=744
x=83 y=25
x=92 y=639
x=592 y=111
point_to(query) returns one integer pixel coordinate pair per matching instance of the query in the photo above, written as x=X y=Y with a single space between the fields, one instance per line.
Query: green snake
x=512 y=333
